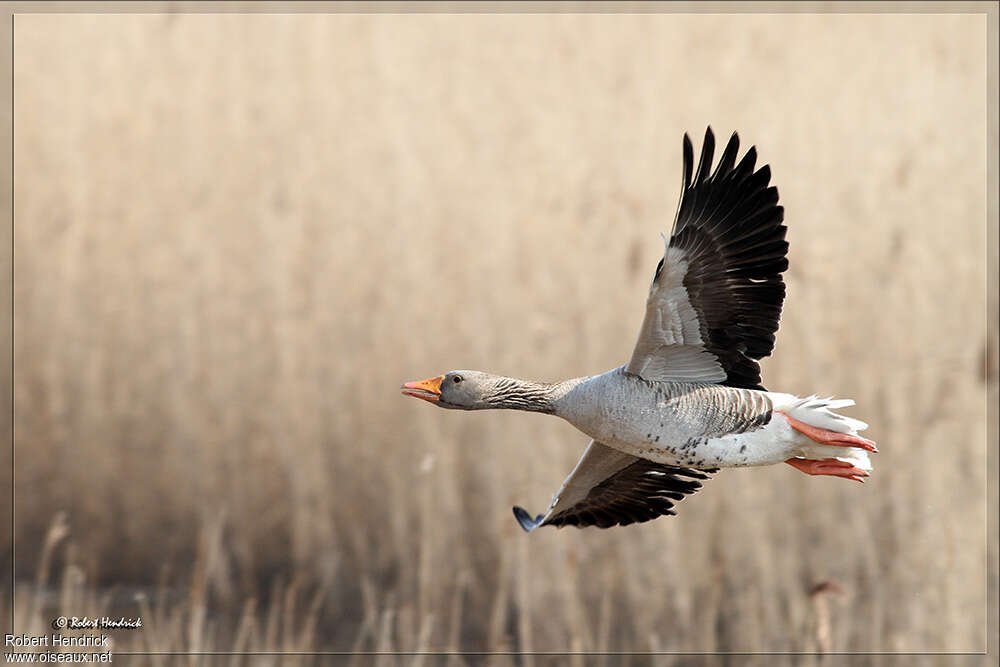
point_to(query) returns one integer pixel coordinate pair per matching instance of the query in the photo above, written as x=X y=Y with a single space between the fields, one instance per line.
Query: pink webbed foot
x=831 y=467
x=824 y=437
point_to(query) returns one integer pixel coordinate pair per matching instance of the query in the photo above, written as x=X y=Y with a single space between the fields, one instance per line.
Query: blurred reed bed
x=228 y=259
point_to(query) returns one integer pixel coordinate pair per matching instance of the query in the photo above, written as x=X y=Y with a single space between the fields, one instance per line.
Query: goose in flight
x=690 y=400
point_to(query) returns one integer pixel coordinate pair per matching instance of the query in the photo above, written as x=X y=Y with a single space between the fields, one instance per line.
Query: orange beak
x=428 y=390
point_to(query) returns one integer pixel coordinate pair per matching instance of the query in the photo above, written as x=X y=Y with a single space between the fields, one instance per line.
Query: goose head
x=475 y=390
x=460 y=390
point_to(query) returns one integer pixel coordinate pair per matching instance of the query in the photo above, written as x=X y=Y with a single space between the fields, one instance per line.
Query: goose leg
x=832 y=467
x=824 y=437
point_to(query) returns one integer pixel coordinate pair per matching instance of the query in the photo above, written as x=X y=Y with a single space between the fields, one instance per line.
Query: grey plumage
x=690 y=399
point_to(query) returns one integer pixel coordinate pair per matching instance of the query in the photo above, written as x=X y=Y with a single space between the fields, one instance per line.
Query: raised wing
x=715 y=300
x=610 y=488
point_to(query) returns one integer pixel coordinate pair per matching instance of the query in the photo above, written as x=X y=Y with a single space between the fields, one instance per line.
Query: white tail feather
x=818 y=412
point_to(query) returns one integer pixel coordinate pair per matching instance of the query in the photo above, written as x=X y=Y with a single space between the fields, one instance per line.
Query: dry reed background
x=237 y=234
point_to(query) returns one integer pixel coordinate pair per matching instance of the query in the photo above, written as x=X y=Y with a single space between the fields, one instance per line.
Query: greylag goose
x=690 y=400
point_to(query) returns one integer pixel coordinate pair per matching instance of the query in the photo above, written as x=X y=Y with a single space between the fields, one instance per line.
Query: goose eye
x=457 y=379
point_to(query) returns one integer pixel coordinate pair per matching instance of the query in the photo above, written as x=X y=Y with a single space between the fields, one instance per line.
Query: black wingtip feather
x=707 y=151
x=688 y=150
x=728 y=159
x=745 y=168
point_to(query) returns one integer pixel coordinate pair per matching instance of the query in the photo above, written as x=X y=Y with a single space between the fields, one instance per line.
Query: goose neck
x=527 y=395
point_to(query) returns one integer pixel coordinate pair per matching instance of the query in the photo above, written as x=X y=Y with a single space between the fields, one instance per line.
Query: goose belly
x=773 y=443
x=695 y=426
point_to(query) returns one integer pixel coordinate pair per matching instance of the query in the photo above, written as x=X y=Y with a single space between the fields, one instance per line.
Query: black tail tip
x=525 y=520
